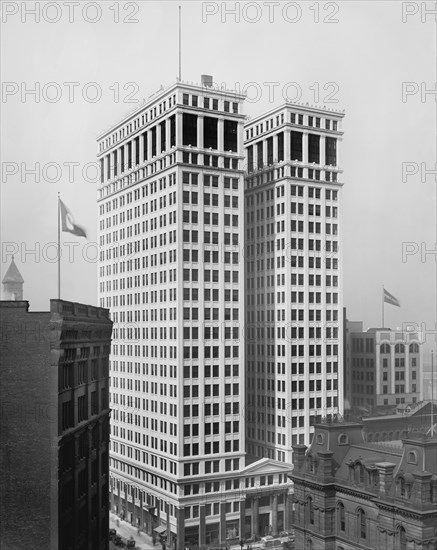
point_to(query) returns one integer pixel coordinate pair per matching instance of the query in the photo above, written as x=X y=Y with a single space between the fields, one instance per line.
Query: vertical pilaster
x=274 y=521
x=255 y=515
x=222 y=522
x=180 y=529
x=202 y=525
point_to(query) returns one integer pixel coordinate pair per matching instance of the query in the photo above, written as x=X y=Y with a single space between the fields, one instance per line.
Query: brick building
x=351 y=494
x=54 y=426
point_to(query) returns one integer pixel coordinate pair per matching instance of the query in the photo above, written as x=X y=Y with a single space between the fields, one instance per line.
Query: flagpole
x=382 y=306
x=59 y=248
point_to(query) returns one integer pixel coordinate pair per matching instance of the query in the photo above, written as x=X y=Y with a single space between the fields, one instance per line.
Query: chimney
x=206 y=80
x=385 y=470
x=325 y=465
x=299 y=456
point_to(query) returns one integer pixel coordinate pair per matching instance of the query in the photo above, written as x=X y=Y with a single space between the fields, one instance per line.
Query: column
x=200 y=144
x=167 y=134
x=305 y=148
x=141 y=511
x=220 y=135
x=149 y=144
x=275 y=148
x=242 y=524
x=265 y=152
x=202 y=526
x=179 y=136
x=287 y=145
x=322 y=150
x=275 y=515
x=180 y=528
x=158 y=140
x=255 y=515
x=222 y=521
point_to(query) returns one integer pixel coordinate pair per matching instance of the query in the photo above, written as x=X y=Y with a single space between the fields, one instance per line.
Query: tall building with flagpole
x=294 y=351
x=171 y=211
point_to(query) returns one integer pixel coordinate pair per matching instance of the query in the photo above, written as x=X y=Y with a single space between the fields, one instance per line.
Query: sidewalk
x=125 y=529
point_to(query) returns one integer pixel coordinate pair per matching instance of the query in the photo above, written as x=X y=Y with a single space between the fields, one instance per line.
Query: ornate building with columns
x=171 y=212
x=352 y=494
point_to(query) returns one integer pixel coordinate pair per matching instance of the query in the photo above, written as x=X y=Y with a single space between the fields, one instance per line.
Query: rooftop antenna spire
x=180 y=43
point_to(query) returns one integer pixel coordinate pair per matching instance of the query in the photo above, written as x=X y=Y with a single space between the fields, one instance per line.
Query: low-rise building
x=352 y=494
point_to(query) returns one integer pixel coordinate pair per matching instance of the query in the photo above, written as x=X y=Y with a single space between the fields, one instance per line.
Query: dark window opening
x=210 y=132
x=270 y=150
x=296 y=146
x=331 y=151
x=280 y=146
x=259 y=150
x=145 y=146
x=153 y=133
x=230 y=136
x=313 y=148
x=172 y=131
x=163 y=136
x=137 y=150
x=189 y=130
x=129 y=154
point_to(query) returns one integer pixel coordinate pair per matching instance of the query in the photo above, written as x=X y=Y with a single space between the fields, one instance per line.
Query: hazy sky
x=344 y=55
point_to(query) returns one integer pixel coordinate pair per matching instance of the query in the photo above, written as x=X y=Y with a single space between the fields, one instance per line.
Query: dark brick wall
x=28 y=431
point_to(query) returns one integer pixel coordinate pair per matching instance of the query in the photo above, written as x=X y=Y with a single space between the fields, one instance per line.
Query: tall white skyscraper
x=171 y=210
x=293 y=276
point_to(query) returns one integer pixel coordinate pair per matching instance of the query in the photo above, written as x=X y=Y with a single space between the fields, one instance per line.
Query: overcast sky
x=344 y=55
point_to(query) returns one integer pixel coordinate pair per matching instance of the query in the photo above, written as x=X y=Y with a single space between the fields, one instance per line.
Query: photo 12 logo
x=271 y=12
x=69 y=92
x=71 y=12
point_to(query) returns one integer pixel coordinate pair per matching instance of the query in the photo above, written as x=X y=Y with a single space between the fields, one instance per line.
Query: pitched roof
x=12 y=274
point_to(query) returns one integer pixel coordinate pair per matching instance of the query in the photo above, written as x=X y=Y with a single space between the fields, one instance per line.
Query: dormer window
x=403 y=487
x=311 y=463
x=359 y=473
x=412 y=457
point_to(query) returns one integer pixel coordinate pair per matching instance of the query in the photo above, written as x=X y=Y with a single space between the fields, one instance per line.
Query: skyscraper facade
x=293 y=276
x=171 y=206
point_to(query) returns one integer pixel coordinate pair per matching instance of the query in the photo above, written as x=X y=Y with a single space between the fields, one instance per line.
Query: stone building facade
x=354 y=495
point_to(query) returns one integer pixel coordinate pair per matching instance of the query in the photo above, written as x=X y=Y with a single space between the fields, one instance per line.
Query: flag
x=68 y=223
x=390 y=299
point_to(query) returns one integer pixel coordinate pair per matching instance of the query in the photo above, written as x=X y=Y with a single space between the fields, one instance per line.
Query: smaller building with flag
x=385 y=368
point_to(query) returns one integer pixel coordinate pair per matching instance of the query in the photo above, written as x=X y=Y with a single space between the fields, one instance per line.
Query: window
x=341 y=516
x=401 y=537
x=361 y=523
x=310 y=511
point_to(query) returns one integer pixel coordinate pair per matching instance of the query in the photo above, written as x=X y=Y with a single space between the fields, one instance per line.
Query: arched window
x=414 y=348
x=385 y=348
x=310 y=510
x=399 y=348
x=341 y=515
x=361 y=523
x=401 y=536
x=309 y=544
x=343 y=439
